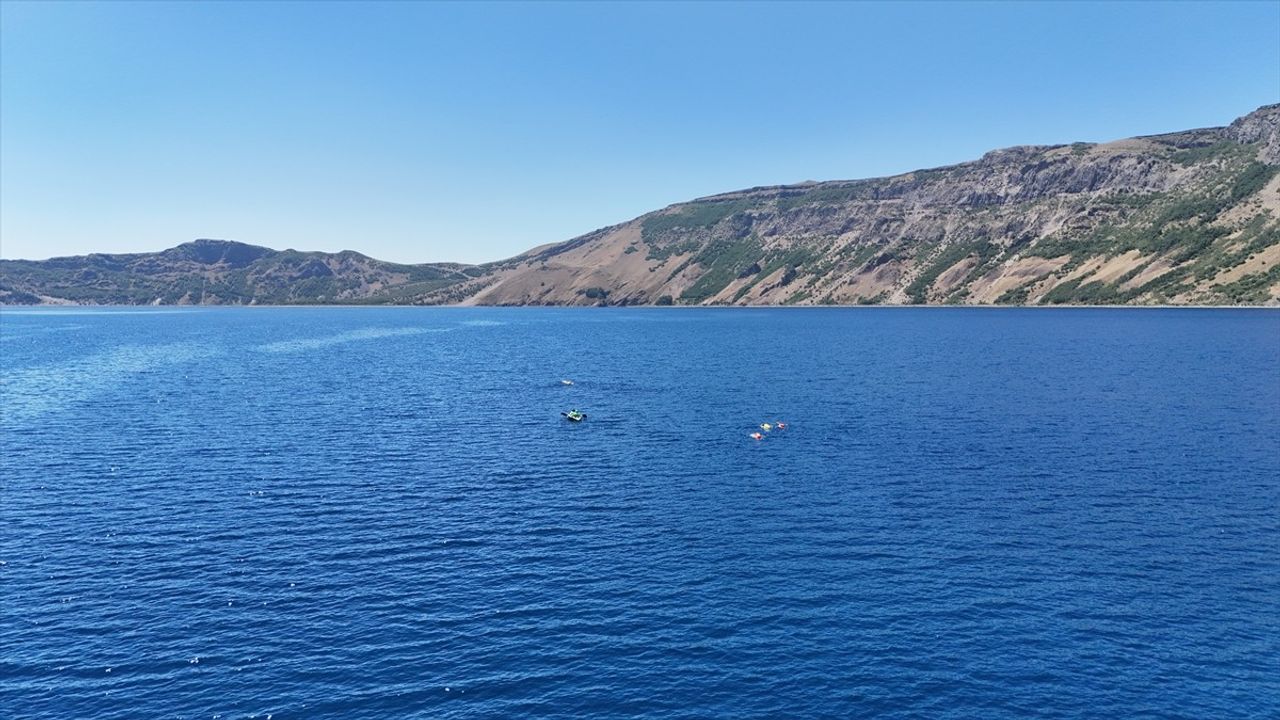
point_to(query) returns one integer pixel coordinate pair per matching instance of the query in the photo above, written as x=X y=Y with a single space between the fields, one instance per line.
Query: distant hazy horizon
x=416 y=132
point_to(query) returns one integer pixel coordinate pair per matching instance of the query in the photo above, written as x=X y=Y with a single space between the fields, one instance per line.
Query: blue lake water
x=380 y=513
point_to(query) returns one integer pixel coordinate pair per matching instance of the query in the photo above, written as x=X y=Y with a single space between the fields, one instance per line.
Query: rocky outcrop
x=1262 y=127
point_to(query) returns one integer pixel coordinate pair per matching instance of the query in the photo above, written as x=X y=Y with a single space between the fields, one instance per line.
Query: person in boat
x=574 y=415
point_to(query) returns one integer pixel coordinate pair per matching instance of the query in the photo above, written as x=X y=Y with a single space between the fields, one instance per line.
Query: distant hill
x=220 y=272
x=1181 y=218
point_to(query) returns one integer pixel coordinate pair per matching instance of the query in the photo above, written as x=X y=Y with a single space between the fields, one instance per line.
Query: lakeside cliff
x=1190 y=217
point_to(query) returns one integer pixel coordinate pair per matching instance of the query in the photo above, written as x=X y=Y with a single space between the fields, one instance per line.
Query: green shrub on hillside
x=721 y=262
x=1252 y=288
x=692 y=216
x=821 y=196
x=1061 y=293
x=1014 y=296
x=1251 y=180
x=918 y=290
x=1191 y=156
x=675 y=248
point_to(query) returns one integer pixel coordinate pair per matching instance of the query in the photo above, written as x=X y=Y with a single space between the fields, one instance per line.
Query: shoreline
x=55 y=307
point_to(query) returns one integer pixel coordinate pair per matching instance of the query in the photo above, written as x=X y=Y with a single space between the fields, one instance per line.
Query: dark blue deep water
x=379 y=513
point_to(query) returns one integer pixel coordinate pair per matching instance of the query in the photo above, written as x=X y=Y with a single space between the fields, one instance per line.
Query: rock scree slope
x=1190 y=217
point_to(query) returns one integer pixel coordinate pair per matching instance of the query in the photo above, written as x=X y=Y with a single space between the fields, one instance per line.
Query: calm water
x=379 y=513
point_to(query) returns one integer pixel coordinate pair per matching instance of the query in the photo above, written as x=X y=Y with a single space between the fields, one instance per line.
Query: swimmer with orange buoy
x=756 y=436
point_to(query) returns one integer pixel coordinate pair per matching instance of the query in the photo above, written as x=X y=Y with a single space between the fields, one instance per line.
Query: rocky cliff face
x=1188 y=217
x=1261 y=126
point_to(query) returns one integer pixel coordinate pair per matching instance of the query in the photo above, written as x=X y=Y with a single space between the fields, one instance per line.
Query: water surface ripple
x=379 y=513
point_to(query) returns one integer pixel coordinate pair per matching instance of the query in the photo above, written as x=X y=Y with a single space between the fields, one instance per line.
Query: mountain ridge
x=218 y=272
x=1188 y=217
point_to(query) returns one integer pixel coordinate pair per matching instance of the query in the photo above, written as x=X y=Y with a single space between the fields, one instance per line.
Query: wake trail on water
x=372 y=333
x=7 y=334
x=32 y=392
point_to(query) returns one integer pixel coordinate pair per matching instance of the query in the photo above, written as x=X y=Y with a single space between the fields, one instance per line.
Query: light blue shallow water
x=379 y=513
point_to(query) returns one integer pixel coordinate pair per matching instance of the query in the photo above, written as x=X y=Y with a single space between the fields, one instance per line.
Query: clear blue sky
x=419 y=132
